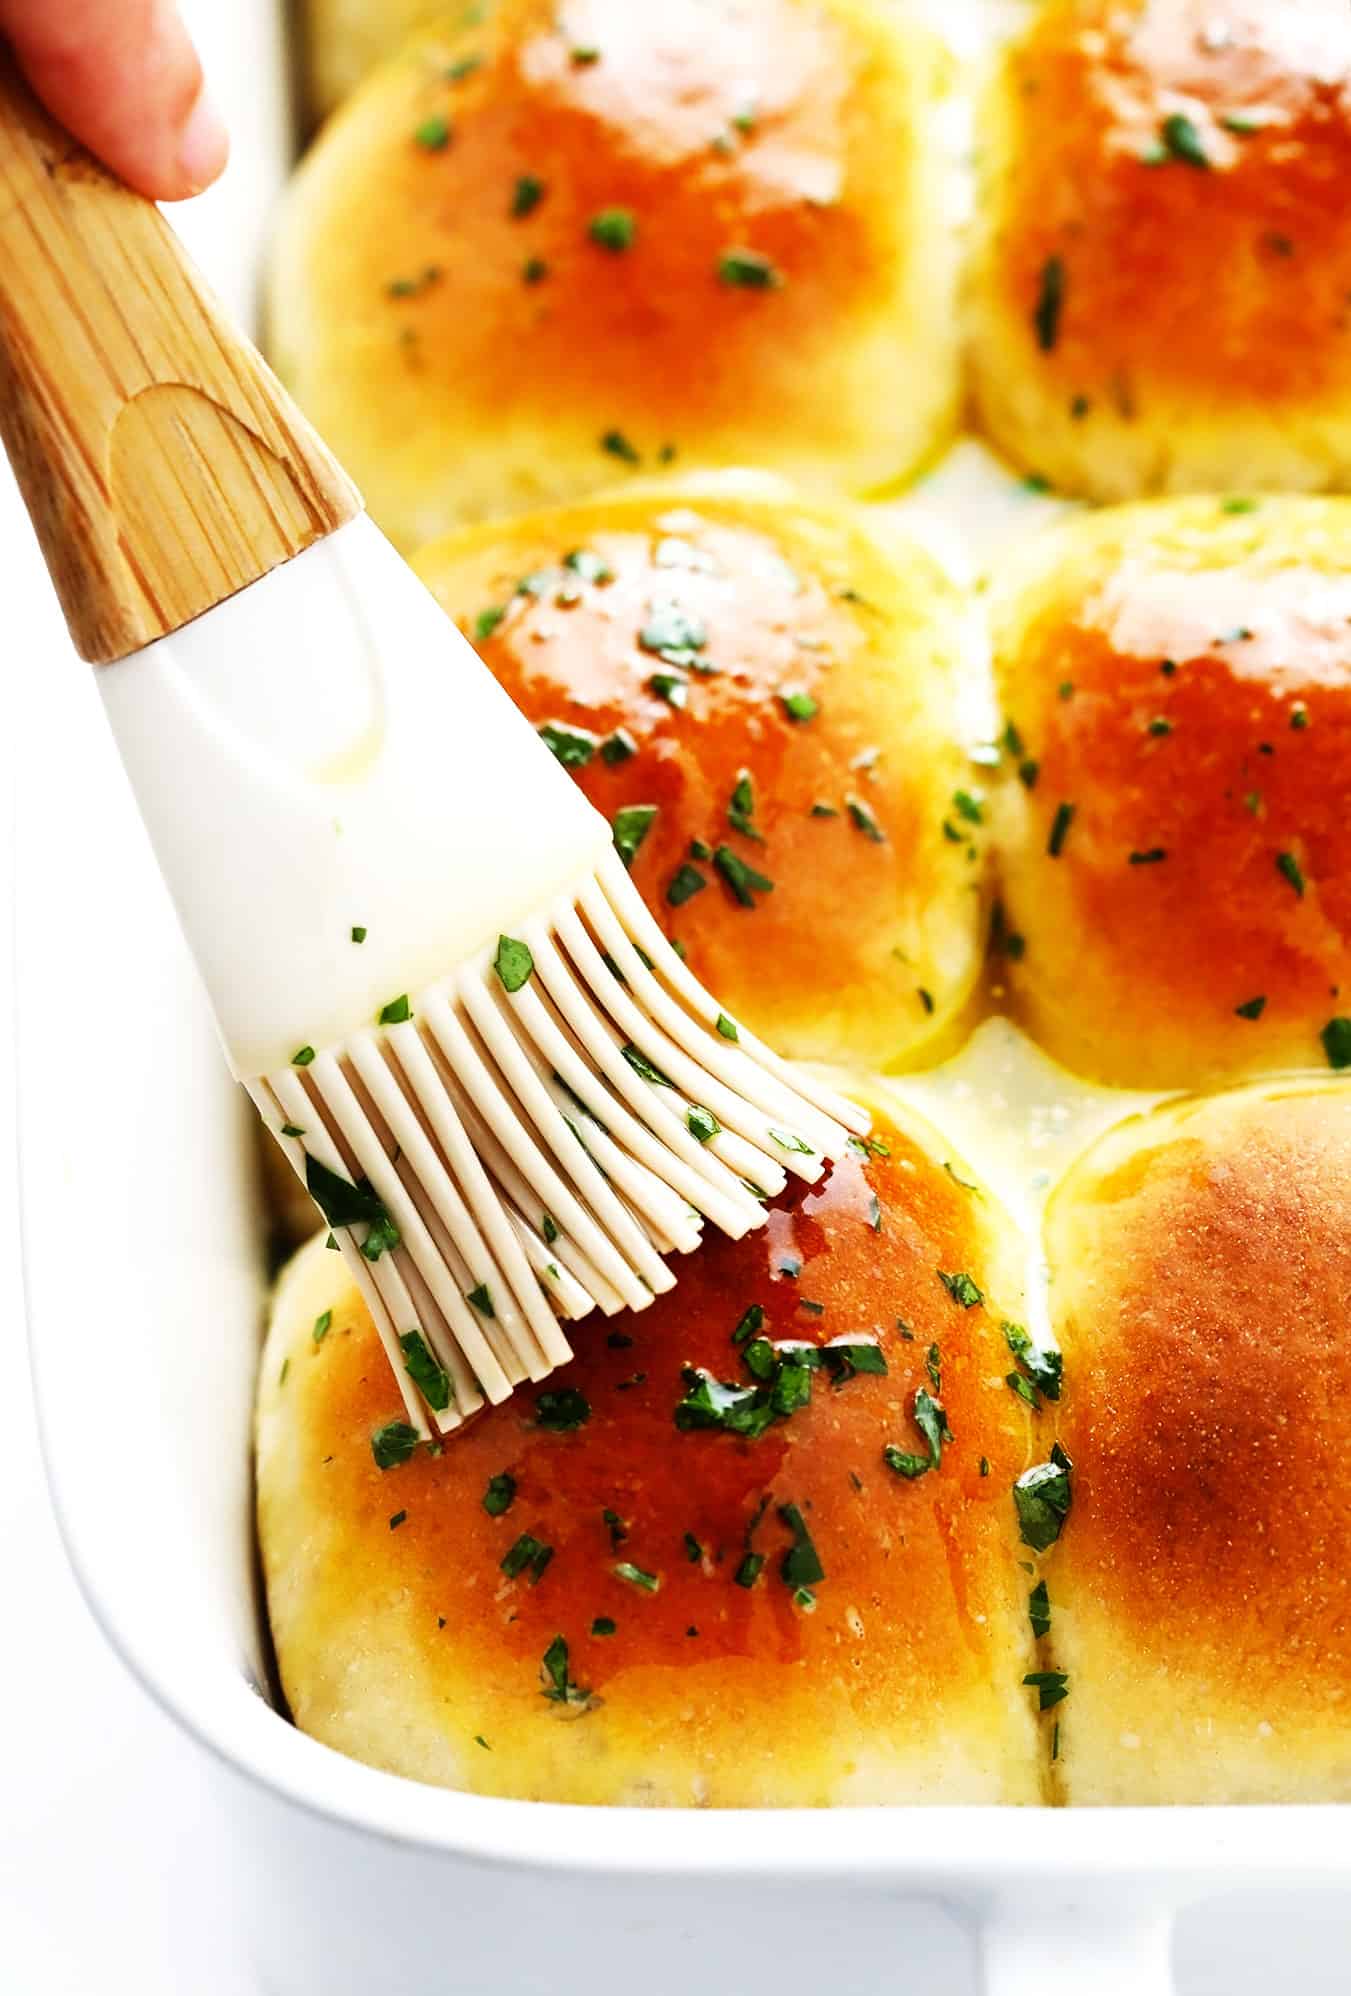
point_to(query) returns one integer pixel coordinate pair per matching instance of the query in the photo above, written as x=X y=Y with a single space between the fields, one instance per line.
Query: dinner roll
x=1200 y=1596
x=644 y=1585
x=536 y=250
x=1177 y=873
x=763 y=699
x=1160 y=300
x=343 y=39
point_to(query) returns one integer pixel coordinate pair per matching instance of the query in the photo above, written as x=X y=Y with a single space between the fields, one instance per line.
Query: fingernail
x=203 y=144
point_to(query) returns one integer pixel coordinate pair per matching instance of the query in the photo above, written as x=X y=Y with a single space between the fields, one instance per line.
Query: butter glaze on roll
x=1201 y=1590
x=1178 y=677
x=1162 y=295
x=869 y=941
x=536 y=250
x=897 y=1678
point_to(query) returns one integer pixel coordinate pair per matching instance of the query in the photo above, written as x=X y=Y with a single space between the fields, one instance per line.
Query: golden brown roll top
x=763 y=700
x=1177 y=683
x=1201 y=1287
x=1160 y=297
x=548 y=245
x=755 y=1547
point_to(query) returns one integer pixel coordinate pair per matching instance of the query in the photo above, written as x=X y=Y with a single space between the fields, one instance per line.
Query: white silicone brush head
x=506 y=1092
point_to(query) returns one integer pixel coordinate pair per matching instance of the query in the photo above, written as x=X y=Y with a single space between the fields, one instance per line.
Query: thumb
x=123 y=76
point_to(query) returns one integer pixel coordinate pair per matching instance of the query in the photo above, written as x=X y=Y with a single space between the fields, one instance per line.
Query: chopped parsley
x=358 y=933
x=500 y=1494
x=744 y=880
x=562 y=1410
x=526 y=195
x=672 y=687
x=1051 y=1687
x=393 y=1444
x=1060 y=824
x=673 y=634
x=534 y=271
x=749 y=270
x=488 y=620
x=961 y=1288
x=630 y=827
x=1160 y=725
x=643 y=1066
x=613 y=229
x=322 y=1325
x=636 y=1577
x=1042 y=1497
x=604 y=1625
x=864 y=820
x=798 y=706
x=1050 y=303
x=701 y=1123
x=559 y=1687
x=302 y=1057
x=616 y=444
x=801 y=1564
x=684 y=884
x=1151 y=856
x=1044 y=1368
x=1039 y=1610
x=426 y=1372
x=433 y=134
x=1251 y=1008
x=292 y=1130
x=528 y=1554
x=741 y=809
x=1289 y=869
x=482 y=1300
x=344 y=1204
x=750 y=1569
x=397 y=1012
x=574 y=747
x=618 y=747
x=727 y=1027
x=1182 y=140
x=513 y=963
x=1336 y=1038
x=399 y=1518
x=749 y=1324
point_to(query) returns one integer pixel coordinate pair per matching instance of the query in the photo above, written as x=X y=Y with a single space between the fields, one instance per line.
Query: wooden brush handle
x=163 y=464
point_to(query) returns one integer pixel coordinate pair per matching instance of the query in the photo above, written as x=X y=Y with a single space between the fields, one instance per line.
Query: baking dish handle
x=1099 y=1945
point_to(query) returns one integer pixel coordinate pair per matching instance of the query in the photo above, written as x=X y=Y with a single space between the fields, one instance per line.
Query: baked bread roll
x=1177 y=682
x=764 y=699
x=533 y=251
x=1201 y=1590
x=1159 y=298
x=343 y=40
x=597 y=1593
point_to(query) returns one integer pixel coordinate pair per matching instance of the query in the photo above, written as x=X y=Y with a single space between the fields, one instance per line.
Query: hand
x=123 y=76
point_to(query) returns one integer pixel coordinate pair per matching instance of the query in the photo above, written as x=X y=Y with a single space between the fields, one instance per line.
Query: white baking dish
x=144 y=1251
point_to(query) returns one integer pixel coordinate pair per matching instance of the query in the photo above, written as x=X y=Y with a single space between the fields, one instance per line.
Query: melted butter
x=1018 y=1121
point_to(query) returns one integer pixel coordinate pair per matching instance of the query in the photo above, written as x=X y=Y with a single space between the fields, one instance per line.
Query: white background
x=114 y=1874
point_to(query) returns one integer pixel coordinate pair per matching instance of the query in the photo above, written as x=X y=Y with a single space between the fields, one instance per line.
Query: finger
x=123 y=76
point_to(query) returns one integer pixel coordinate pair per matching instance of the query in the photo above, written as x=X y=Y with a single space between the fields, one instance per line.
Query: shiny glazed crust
x=866 y=946
x=897 y=1677
x=1159 y=301
x=527 y=255
x=1178 y=678
x=1201 y=1286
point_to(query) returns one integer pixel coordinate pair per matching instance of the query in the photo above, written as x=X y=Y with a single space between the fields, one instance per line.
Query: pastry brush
x=507 y=1094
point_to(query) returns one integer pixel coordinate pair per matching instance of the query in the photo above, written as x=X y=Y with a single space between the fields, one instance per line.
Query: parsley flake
x=513 y=963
